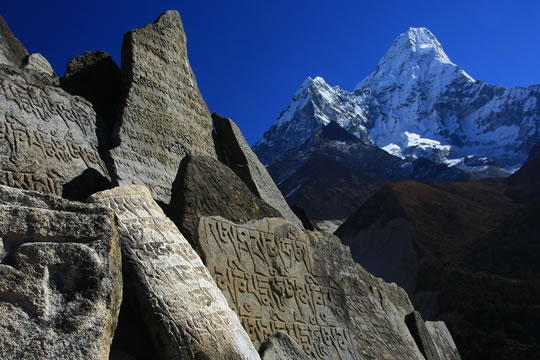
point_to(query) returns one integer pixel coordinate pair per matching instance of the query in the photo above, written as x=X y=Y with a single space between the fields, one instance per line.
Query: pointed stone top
x=12 y=51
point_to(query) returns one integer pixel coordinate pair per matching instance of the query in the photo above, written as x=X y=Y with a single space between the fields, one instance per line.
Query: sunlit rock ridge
x=417 y=103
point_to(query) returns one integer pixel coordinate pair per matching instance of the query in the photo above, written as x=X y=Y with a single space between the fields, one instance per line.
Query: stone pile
x=181 y=219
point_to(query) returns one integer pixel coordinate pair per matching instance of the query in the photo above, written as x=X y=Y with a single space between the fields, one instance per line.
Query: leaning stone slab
x=12 y=52
x=47 y=137
x=247 y=166
x=164 y=117
x=423 y=338
x=444 y=344
x=281 y=347
x=60 y=277
x=279 y=277
x=184 y=311
x=206 y=187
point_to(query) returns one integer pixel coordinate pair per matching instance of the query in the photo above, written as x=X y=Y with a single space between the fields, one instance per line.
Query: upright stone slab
x=444 y=344
x=47 y=137
x=184 y=311
x=423 y=338
x=247 y=166
x=12 y=52
x=164 y=117
x=278 y=277
x=60 y=277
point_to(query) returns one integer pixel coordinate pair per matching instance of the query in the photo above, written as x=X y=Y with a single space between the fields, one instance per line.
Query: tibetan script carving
x=164 y=116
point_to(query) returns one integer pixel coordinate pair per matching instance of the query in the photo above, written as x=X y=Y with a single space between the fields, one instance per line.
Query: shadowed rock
x=247 y=166
x=60 y=277
x=164 y=117
x=184 y=312
x=12 y=52
x=206 y=187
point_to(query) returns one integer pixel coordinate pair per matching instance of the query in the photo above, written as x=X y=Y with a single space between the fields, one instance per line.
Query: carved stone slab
x=186 y=314
x=278 y=277
x=60 y=277
x=281 y=347
x=47 y=137
x=164 y=116
x=247 y=166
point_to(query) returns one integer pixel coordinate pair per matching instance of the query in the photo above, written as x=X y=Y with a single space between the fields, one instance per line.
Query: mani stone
x=206 y=187
x=47 y=137
x=423 y=339
x=36 y=62
x=12 y=52
x=281 y=347
x=164 y=117
x=60 y=277
x=184 y=311
x=444 y=344
x=278 y=277
x=247 y=166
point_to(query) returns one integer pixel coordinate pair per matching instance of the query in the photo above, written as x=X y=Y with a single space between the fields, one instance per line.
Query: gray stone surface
x=60 y=277
x=444 y=344
x=423 y=339
x=247 y=166
x=281 y=347
x=36 y=62
x=12 y=52
x=278 y=277
x=47 y=137
x=164 y=117
x=184 y=311
x=206 y=187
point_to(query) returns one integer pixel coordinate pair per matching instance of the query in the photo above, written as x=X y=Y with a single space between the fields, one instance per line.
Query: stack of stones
x=136 y=225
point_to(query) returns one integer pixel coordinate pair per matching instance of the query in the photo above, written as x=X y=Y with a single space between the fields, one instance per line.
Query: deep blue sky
x=251 y=56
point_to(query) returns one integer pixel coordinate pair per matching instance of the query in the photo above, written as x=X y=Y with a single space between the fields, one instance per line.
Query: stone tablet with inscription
x=164 y=117
x=47 y=137
x=181 y=306
x=247 y=166
x=278 y=277
x=60 y=277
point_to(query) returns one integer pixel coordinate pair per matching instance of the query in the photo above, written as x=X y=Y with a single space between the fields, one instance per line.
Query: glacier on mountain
x=416 y=104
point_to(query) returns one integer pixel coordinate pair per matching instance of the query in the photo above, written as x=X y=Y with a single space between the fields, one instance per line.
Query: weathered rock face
x=184 y=311
x=247 y=166
x=281 y=347
x=60 y=277
x=206 y=187
x=424 y=338
x=12 y=52
x=278 y=277
x=164 y=117
x=47 y=137
x=443 y=341
x=36 y=62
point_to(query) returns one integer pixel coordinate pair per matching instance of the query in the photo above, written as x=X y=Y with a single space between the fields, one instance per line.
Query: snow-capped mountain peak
x=415 y=57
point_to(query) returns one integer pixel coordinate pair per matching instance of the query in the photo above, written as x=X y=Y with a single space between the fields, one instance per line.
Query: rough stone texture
x=278 y=277
x=96 y=77
x=206 y=187
x=421 y=335
x=60 y=277
x=184 y=311
x=164 y=117
x=12 y=52
x=36 y=62
x=47 y=137
x=444 y=343
x=282 y=347
x=247 y=166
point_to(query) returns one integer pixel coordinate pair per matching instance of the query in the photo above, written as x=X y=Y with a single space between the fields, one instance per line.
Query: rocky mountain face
x=465 y=252
x=135 y=226
x=418 y=106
